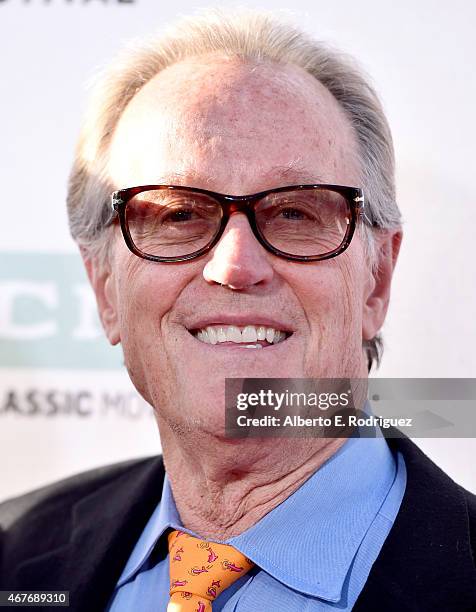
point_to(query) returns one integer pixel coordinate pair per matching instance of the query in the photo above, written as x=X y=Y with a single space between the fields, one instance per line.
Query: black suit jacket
x=77 y=535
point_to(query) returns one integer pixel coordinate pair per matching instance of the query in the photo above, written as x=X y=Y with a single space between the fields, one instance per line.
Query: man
x=199 y=286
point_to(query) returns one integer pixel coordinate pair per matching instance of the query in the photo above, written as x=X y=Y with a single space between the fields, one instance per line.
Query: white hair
x=252 y=36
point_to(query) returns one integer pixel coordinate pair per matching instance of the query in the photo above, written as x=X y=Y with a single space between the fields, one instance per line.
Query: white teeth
x=233 y=334
x=249 y=334
x=221 y=336
x=214 y=334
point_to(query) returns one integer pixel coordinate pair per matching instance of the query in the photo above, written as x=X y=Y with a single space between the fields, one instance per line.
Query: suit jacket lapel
x=105 y=525
x=426 y=561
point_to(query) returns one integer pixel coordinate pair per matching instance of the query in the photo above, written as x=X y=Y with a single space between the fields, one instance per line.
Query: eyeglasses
x=169 y=223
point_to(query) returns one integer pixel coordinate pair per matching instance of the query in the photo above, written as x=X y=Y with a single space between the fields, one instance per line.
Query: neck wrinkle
x=221 y=491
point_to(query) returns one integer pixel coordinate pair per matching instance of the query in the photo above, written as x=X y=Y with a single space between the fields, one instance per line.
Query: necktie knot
x=200 y=571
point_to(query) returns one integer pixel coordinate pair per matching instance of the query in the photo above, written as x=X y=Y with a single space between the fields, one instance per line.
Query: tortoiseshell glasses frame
x=247 y=204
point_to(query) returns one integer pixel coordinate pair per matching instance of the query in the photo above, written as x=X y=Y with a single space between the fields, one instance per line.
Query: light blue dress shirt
x=313 y=552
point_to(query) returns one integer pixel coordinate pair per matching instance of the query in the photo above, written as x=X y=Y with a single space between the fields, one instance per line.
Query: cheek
x=332 y=302
x=350 y=284
x=351 y=277
x=148 y=292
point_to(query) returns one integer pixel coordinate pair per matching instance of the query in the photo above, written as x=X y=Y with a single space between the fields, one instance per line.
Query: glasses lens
x=306 y=222
x=171 y=222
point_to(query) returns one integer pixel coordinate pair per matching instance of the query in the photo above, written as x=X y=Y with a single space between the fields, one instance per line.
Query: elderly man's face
x=236 y=128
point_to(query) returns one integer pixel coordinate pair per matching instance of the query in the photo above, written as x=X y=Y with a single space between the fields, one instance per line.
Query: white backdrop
x=65 y=403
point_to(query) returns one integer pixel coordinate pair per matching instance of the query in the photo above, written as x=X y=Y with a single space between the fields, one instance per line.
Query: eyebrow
x=292 y=173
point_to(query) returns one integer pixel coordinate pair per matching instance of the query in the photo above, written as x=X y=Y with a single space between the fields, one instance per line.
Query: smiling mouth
x=248 y=336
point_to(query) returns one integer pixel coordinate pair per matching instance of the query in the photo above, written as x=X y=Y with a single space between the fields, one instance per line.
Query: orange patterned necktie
x=200 y=571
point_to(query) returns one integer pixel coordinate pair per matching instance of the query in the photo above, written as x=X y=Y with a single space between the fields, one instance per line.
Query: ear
x=102 y=281
x=377 y=290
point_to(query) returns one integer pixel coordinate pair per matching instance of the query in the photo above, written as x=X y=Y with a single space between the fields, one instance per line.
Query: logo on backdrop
x=48 y=314
x=63 y=402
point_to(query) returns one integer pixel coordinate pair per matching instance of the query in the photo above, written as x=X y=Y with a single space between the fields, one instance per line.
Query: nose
x=238 y=260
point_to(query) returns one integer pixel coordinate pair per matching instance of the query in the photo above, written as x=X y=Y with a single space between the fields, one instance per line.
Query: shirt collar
x=164 y=516
x=309 y=541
